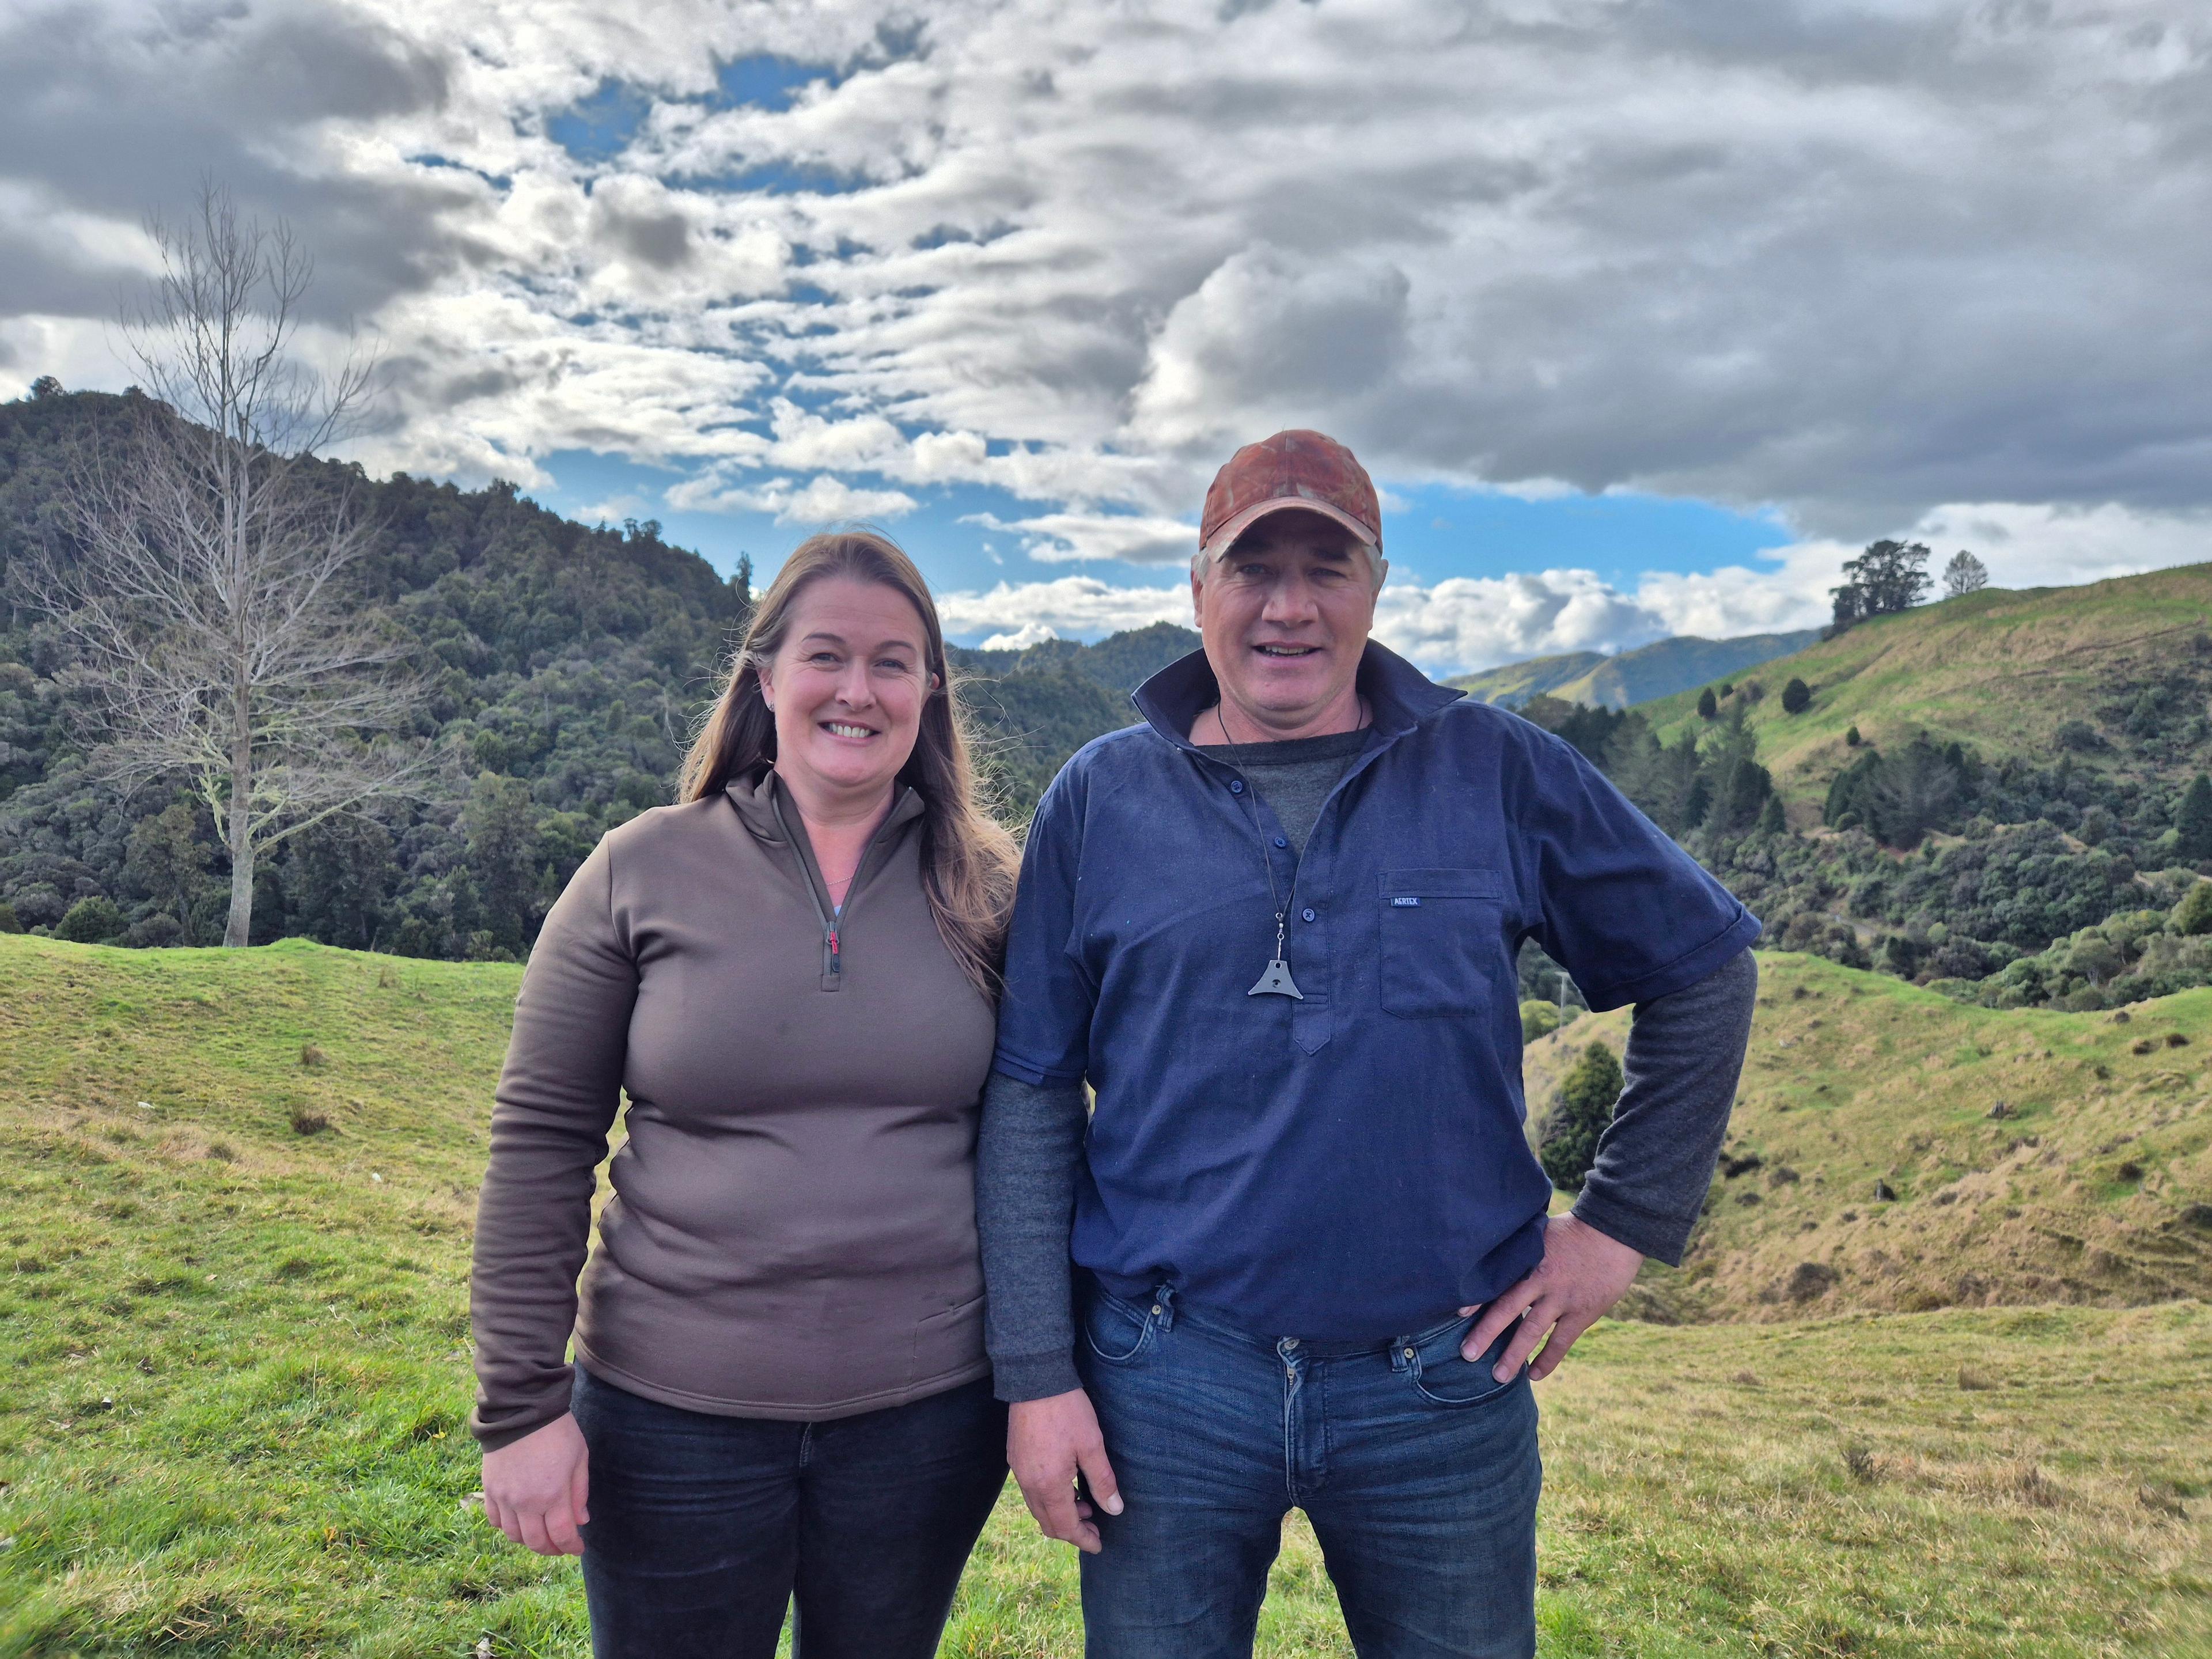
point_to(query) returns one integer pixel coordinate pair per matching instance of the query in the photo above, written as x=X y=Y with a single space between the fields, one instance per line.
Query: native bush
x=1567 y=1139
x=96 y=921
x=2193 y=915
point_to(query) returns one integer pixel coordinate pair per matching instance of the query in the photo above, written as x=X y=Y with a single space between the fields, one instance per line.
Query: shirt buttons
x=1235 y=786
x=1282 y=840
x=1307 y=913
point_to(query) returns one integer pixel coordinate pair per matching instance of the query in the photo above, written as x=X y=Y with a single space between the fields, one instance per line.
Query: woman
x=780 y=1385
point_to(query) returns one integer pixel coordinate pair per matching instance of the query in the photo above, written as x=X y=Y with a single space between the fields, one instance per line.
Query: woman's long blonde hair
x=968 y=861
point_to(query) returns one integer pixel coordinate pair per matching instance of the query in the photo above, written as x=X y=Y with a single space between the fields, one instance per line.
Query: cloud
x=824 y=499
x=1837 y=260
x=1464 y=623
x=1072 y=606
x=1021 y=639
x=1072 y=537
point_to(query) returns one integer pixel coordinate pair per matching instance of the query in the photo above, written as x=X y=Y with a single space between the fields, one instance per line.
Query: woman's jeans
x=1418 y=1469
x=703 y=1528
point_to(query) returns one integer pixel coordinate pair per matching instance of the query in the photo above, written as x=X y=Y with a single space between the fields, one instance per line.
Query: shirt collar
x=1401 y=696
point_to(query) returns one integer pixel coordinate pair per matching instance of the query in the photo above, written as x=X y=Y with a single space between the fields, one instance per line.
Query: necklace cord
x=1282 y=903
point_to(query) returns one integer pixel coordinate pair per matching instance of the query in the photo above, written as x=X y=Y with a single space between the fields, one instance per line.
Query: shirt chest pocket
x=1440 y=939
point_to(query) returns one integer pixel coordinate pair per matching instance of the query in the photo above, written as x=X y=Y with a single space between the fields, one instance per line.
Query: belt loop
x=1164 y=1306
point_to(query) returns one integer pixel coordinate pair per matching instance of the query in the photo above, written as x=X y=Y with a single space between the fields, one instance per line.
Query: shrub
x=9 y=922
x=1851 y=739
x=2193 y=915
x=1538 y=1019
x=1796 y=697
x=1567 y=1140
x=91 y=922
x=1708 y=706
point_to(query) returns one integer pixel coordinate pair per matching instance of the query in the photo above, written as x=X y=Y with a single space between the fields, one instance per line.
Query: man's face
x=1284 y=615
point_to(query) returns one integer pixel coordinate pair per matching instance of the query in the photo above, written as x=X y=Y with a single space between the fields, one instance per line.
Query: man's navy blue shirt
x=1353 y=1166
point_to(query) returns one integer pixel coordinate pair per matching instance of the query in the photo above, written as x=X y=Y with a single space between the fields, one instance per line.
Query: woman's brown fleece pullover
x=793 y=1229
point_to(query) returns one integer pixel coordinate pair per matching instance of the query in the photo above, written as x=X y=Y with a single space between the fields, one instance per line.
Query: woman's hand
x=534 y=1489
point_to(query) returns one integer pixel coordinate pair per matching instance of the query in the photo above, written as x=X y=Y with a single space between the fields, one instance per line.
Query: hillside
x=2033 y=1157
x=2116 y=674
x=570 y=663
x=238 y=1371
x=1649 y=671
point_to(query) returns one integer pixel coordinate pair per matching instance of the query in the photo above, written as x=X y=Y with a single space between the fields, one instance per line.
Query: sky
x=1644 y=314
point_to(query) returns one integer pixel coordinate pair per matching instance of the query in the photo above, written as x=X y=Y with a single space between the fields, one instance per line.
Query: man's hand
x=1582 y=1275
x=534 y=1489
x=1049 y=1441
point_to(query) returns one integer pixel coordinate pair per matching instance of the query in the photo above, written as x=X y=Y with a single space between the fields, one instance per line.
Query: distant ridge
x=1658 y=669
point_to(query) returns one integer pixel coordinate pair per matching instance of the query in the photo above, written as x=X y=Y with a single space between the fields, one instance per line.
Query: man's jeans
x=704 y=1528
x=1418 y=1469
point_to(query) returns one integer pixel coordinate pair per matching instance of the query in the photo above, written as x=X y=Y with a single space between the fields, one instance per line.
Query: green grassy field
x=236 y=1370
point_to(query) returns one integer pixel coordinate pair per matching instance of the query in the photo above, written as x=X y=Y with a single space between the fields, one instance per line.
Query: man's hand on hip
x=1582 y=1275
x=1049 y=1443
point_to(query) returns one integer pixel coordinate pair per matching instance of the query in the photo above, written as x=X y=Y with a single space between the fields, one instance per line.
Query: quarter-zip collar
x=764 y=805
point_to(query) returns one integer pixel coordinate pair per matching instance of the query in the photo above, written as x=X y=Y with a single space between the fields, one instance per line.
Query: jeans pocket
x=1117 y=1332
x=1432 y=1364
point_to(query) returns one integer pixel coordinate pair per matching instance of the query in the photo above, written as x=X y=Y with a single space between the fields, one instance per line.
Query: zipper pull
x=837 y=966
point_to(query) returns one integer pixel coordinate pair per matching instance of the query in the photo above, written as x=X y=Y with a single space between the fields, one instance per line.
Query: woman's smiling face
x=847 y=687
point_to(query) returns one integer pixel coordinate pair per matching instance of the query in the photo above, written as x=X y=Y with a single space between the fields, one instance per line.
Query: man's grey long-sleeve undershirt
x=1654 y=1162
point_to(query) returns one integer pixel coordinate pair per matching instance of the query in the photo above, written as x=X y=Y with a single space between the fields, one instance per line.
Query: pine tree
x=1567 y=1141
x=1708 y=706
x=1771 y=819
x=1851 y=739
x=2194 y=822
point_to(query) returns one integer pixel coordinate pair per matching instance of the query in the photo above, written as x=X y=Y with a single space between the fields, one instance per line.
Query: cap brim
x=1237 y=526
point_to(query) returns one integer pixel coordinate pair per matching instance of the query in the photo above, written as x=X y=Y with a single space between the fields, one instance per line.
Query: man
x=1274 y=928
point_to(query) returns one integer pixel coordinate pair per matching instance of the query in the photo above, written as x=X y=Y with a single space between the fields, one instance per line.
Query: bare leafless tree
x=205 y=581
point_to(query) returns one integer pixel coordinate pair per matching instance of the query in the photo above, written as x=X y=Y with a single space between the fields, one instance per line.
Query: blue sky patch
x=1435 y=533
x=764 y=81
x=600 y=128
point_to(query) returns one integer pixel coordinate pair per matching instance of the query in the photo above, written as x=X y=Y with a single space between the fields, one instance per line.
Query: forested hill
x=2003 y=794
x=570 y=663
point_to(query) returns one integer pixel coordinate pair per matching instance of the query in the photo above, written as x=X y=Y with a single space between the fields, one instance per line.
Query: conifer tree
x=1796 y=697
x=1567 y=1141
x=1708 y=706
x=2194 y=822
